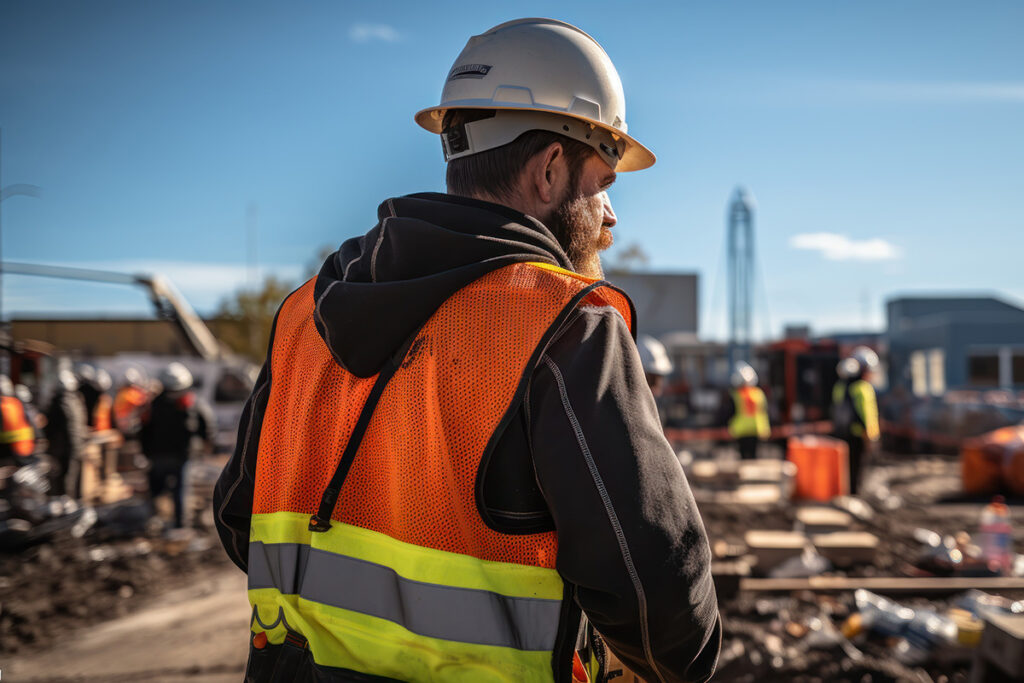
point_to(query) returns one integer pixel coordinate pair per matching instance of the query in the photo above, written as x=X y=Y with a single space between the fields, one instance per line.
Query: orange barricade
x=822 y=471
x=993 y=462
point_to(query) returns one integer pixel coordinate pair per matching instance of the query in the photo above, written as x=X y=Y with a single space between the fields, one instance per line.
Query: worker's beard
x=578 y=225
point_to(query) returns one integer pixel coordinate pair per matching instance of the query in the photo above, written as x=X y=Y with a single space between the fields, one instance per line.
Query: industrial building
x=941 y=343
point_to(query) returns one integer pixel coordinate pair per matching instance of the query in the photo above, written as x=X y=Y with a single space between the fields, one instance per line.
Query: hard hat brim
x=636 y=157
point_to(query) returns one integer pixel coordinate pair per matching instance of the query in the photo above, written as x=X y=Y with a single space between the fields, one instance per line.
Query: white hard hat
x=867 y=358
x=134 y=376
x=539 y=74
x=102 y=381
x=176 y=377
x=653 y=356
x=23 y=393
x=6 y=386
x=67 y=380
x=743 y=375
x=847 y=368
x=85 y=372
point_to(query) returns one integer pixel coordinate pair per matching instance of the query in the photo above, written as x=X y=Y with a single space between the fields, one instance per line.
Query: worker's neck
x=514 y=201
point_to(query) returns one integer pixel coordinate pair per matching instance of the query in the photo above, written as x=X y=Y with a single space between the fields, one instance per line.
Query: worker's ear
x=546 y=176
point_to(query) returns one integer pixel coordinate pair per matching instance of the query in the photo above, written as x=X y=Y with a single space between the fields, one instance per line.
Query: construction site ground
x=151 y=609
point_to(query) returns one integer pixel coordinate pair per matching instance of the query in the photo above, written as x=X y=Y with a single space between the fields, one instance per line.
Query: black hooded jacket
x=585 y=455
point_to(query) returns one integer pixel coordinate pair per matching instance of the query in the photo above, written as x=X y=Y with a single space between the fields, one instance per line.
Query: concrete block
x=847 y=548
x=823 y=520
x=772 y=548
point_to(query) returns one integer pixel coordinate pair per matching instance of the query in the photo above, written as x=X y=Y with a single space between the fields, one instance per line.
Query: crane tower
x=741 y=274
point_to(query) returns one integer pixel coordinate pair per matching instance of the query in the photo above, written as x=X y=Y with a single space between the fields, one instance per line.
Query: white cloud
x=835 y=247
x=365 y=33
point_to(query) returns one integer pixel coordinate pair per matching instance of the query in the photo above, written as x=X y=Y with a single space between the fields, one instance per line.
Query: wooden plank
x=884 y=584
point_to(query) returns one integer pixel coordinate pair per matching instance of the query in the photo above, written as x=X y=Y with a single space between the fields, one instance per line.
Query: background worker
x=131 y=403
x=657 y=367
x=17 y=433
x=656 y=363
x=93 y=384
x=177 y=418
x=35 y=418
x=66 y=433
x=454 y=414
x=746 y=413
x=855 y=409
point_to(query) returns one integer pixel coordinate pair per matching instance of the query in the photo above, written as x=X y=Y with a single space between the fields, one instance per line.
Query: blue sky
x=883 y=141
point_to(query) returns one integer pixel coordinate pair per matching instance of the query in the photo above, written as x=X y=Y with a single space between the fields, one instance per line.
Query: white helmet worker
x=743 y=375
x=867 y=358
x=538 y=74
x=6 y=386
x=176 y=377
x=653 y=356
x=848 y=368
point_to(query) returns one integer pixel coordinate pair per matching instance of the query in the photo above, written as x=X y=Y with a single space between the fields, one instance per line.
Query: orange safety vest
x=380 y=543
x=17 y=433
x=128 y=406
x=101 y=414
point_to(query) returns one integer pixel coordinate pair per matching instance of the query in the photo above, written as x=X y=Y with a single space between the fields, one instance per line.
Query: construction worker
x=35 y=418
x=855 y=408
x=93 y=384
x=66 y=433
x=452 y=435
x=656 y=363
x=747 y=412
x=17 y=435
x=177 y=417
x=131 y=403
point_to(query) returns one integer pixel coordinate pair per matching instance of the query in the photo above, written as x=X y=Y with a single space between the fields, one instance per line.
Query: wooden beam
x=884 y=584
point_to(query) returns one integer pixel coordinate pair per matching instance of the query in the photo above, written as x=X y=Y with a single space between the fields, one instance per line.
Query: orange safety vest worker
x=367 y=550
x=751 y=414
x=129 y=405
x=17 y=435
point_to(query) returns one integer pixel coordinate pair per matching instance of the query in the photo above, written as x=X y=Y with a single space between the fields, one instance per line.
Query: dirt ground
x=153 y=609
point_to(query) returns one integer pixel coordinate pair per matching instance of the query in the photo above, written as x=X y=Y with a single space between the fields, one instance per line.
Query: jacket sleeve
x=233 y=494
x=630 y=539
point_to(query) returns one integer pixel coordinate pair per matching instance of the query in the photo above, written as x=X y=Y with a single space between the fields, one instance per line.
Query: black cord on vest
x=321 y=521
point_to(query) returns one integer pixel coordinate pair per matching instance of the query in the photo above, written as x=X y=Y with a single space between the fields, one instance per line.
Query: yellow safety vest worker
x=751 y=414
x=861 y=397
x=387 y=568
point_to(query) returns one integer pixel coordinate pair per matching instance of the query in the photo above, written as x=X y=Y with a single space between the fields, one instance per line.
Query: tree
x=629 y=259
x=244 y=319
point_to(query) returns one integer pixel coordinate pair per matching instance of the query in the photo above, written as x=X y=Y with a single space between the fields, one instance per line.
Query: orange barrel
x=1011 y=447
x=987 y=462
x=822 y=472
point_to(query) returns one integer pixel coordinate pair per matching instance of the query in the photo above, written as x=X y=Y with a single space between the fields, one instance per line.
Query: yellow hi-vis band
x=16 y=435
x=369 y=603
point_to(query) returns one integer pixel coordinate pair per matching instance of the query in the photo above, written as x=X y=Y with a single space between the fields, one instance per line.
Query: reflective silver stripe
x=463 y=615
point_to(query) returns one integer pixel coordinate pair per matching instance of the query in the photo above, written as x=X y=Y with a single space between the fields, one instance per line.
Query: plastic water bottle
x=997 y=535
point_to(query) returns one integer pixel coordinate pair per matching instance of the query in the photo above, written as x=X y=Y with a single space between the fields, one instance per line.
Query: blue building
x=940 y=343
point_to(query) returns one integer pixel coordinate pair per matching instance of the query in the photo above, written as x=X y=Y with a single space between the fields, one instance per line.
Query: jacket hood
x=378 y=289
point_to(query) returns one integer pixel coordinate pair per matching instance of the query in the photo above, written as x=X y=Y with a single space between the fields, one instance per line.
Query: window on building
x=937 y=372
x=983 y=369
x=1018 y=367
x=918 y=374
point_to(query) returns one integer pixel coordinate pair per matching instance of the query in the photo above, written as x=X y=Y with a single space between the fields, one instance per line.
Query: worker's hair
x=495 y=172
